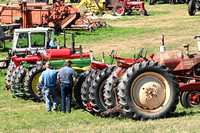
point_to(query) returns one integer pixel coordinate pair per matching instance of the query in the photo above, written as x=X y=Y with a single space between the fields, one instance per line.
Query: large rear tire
x=191 y=7
x=31 y=80
x=190 y=99
x=13 y=80
x=78 y=85
x=109 y=95
x=9 y=72
x=97 y=88
x=20 y=78
x=148 y=90
x=85 y=91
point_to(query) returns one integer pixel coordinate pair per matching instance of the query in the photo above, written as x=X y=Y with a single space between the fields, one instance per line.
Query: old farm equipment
x=31 y=54
x=150 y=89
x=119 y=8
x=58 y=16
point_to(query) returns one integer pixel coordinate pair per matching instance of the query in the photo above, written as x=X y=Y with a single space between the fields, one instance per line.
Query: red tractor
x=145 y=89
x=126 y=6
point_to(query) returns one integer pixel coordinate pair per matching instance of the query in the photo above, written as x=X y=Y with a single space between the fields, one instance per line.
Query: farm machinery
x=119 y=7
x=58 y=16
x=138 y=87
x=142 y=88
x=29 y=54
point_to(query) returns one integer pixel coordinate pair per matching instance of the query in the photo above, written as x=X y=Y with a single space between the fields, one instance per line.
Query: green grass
x=129 y=35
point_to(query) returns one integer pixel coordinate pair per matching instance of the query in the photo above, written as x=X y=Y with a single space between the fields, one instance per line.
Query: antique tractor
x=30 y=52
x=119 y=7
x=145 y=89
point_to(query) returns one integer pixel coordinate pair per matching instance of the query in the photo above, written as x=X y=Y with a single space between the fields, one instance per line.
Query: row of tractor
x=138 y=87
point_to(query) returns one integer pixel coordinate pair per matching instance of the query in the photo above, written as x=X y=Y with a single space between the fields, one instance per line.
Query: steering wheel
x=112 y=57
x=139 y=55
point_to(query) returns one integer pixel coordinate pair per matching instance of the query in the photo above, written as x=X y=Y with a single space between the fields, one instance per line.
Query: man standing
x=48 y=81
x=66 y=79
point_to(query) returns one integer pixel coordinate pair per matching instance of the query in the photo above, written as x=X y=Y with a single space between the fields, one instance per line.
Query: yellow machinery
x=93 y=5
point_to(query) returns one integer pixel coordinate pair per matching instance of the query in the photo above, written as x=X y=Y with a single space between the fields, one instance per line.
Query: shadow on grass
x=183 y=113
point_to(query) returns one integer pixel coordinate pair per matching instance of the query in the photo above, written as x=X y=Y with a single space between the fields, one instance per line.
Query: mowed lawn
x=128 y=35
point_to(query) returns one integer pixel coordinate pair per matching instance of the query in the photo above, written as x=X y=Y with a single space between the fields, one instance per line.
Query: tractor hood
x=171 y=59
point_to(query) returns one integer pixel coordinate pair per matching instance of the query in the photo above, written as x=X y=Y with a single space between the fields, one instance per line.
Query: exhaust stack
x=162 y=48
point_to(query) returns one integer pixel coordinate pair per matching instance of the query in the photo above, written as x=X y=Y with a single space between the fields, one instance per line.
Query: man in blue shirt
x=66 y=79
x=52 y=43
x=48 y=81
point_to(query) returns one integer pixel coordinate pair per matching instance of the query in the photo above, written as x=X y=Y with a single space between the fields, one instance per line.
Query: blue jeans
x=50 y=93
x=66 y=91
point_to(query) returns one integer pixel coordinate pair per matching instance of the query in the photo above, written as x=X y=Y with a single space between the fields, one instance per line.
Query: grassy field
x=128 y=35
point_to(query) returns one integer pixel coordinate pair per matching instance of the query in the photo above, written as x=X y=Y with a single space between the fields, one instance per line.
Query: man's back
x=49 y=78
x=66 y=75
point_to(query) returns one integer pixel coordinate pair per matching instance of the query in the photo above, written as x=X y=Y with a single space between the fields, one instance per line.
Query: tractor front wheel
x=119 y=9
x=148 y=90
x=143 y=12
x=190 y=99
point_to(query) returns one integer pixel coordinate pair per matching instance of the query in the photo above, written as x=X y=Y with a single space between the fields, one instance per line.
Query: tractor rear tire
x=191 y=7
x=143 y=12
x=187 y=99
x=13 y=79
x=109 y=95
x=119 y=9
x=85 y=90
x=148 y=90
x=9 y=72
x=31 y=79
x=20 y=78
x=97 y=88
x=78 y=85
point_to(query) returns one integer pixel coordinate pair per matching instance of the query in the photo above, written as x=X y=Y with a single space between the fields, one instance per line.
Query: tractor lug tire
x=97 y=88
x=148 y=90
x=14 y=77
x=28 y=85
x=9 y=72
x=78 y=85
x=109 y=95
x=20 y=80
x=85 y=90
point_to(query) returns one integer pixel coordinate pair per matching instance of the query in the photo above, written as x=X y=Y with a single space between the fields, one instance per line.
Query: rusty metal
x=59 y=16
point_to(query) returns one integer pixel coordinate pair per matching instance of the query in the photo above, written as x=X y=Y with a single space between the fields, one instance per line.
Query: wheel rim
x=150 y=92
x=193 y=98
x=34 y=82
x=119 y=10
x=101 y=96
x=142 y=13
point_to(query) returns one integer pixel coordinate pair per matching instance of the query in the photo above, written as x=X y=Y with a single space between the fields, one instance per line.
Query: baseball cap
x=54 y=38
